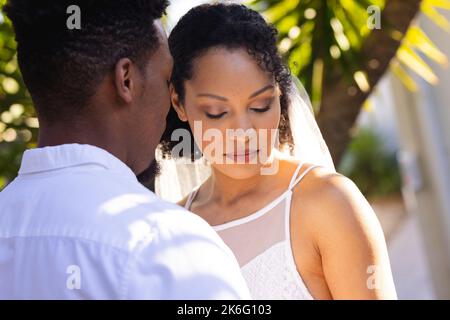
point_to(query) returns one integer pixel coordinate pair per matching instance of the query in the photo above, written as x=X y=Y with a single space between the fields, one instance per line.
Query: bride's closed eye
x=265 y=106
x=220 y=115
x=261 y=110
x=215 y=116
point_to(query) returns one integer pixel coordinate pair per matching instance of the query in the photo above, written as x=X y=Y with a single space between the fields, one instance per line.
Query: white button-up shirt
x=76 y=224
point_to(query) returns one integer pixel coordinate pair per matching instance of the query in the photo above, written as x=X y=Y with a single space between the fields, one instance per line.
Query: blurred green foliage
x=18 y=124
x=316 y=36
x=371 y=166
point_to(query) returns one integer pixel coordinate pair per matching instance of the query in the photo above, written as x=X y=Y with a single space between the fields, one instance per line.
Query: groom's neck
x=94 y=134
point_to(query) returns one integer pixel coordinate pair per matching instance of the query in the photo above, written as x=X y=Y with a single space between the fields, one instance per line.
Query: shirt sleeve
x=184 y=259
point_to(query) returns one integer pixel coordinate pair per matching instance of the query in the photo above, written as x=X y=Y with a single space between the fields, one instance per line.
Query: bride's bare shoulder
x=332 y=207
x=327 y=190
x=288 y=167
x=331 y=216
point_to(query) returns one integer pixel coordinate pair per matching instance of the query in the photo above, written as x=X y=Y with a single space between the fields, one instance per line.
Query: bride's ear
x=278 y=90
x=176 y=103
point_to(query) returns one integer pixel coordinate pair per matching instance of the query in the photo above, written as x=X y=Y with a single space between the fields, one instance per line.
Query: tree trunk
x=341 y=100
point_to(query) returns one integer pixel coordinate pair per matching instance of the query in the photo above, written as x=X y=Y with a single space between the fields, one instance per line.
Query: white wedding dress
x=261 y=243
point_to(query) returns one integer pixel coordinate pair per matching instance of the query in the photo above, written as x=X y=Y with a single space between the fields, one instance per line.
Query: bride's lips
x=246 y=154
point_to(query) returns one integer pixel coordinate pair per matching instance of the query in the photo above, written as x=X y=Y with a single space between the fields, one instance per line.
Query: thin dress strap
x=294 y=181
x=291 y=184
x=191 y=198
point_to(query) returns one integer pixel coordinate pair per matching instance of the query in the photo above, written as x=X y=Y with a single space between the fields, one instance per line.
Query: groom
x=76 y=223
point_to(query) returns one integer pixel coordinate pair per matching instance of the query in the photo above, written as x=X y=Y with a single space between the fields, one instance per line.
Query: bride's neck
x=225 y=190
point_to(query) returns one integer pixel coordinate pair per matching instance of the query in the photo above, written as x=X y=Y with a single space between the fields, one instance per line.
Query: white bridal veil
x=178 y=178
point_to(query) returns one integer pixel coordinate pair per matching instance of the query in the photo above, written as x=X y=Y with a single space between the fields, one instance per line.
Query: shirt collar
x=70 y=155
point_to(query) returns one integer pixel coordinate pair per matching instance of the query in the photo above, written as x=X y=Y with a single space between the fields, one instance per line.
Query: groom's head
x=100 y=67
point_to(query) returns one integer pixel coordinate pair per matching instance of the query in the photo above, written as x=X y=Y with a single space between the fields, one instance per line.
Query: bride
x=298 y=229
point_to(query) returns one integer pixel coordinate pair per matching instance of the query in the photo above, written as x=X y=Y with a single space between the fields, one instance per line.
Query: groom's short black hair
x=62 y=67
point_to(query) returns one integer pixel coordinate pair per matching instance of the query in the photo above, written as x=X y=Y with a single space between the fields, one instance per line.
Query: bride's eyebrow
x=254 y=94
x=213 y=96
x=258 y=92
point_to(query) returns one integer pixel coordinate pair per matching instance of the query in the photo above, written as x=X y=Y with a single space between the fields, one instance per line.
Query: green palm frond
x=319 y=36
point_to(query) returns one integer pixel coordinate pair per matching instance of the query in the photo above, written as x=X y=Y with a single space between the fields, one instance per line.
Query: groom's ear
x=176 y=103
x=123 y=79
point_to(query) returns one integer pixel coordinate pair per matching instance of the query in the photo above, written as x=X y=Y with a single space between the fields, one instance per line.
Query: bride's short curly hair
x=229 y=26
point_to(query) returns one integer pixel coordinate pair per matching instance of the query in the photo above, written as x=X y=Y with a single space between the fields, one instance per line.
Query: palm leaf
x=333 y=39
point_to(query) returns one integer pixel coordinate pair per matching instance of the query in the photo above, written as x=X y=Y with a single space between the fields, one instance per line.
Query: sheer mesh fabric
x=262 y=246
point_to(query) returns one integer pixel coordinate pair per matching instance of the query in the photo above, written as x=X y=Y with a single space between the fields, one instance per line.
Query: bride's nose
x=243 y=133
x=242 y=126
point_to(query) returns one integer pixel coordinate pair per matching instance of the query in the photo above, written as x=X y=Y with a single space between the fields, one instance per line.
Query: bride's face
x=233 y=109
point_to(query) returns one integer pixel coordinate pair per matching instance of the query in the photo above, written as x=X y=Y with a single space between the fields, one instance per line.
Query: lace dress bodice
x=261 y=243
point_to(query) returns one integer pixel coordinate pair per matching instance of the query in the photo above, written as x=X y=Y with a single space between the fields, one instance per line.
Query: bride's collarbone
x=216 y=213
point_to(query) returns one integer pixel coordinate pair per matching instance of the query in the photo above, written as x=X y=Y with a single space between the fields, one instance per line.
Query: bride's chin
x=245 y=168
x=239 y=171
